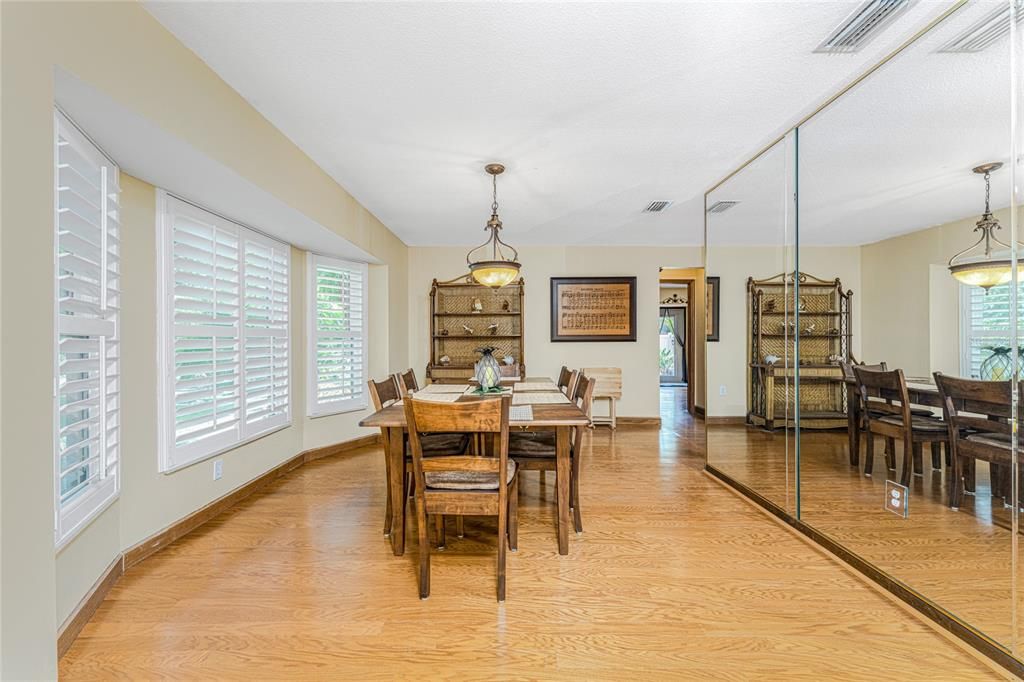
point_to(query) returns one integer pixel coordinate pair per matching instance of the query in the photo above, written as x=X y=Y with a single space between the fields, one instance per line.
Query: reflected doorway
x=672 y=365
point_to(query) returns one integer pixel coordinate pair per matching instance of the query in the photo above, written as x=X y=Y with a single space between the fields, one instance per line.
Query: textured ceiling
x=892 y=156
x=596 y=109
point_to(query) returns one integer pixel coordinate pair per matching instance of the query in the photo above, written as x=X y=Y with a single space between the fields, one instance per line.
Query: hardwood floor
x=675 y=577
x=958 y=559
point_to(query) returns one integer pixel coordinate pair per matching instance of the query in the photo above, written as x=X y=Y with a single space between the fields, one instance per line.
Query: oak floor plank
x=675 y=577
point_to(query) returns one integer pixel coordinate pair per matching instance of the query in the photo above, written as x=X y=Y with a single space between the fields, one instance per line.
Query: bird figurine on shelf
x=505 y=305
x=492 y=328
x=468 y=330
x=478 y=307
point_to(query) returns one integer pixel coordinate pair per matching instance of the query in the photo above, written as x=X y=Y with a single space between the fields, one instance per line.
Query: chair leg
x=918 y=451
x=574 y=494
x=869 y=453
x=946 y=448
x=956 y=484
x=969 y=470
x=908 y=459
x=439 y=527
x=936 y=447
x=424 y=547
x=513 y=515
x=890 y=453
x=460 y=526
x=543 y=478
x=502 y=545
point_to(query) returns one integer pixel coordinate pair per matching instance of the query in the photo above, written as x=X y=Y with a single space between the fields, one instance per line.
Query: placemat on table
x=539 y=398
x=444 y=388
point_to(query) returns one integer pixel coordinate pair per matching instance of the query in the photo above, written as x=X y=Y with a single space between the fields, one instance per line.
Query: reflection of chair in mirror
x=887 y=413
x=857 y=419
x=977 y=413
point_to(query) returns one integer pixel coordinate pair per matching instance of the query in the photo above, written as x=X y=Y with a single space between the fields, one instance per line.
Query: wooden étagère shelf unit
x=811 y=342
x=498 y=324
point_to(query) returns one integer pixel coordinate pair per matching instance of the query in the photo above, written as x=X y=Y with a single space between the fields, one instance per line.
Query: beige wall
x=639 y=361
x=127 y=55
x=727 y=359
x=911 y=303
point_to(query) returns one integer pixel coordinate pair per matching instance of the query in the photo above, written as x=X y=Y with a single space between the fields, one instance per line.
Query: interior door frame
x=691 y=321
x=678 y=313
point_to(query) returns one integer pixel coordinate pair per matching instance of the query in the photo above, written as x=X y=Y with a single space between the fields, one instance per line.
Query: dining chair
x=979 y=431
x=536 y=450
x=384 y=394
x=407 y=381
x=458 y=484
x=886 y=405
x=564 y=375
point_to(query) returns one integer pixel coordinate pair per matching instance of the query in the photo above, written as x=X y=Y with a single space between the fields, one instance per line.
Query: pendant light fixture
x=982 y=264
x=494 y=263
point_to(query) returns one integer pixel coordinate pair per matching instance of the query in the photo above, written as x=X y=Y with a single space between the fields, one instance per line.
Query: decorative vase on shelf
x=488 y=372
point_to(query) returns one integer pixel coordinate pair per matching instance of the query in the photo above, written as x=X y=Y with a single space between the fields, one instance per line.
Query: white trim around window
x=87 y=283
x=337 y=348
x=223 y=333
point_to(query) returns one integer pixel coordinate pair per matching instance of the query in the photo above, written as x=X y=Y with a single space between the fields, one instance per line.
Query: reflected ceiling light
x=494 y=266
x=982 y=264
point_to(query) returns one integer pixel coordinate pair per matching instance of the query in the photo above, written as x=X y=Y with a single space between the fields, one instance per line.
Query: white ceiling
x=596 y=109
x=892 y=156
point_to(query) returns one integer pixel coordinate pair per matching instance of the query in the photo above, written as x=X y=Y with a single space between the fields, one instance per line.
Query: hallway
x=674 y=576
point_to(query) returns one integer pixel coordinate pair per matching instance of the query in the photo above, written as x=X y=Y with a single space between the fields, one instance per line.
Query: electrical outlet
x=721 y=390
x=218 y=469
x=897 y=498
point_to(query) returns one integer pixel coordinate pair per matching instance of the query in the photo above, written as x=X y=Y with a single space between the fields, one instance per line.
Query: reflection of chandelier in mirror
x=981 y=265
x=494 y=267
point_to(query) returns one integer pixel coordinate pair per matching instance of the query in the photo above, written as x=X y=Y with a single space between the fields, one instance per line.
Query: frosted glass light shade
x=985 y=273
x=495 y=273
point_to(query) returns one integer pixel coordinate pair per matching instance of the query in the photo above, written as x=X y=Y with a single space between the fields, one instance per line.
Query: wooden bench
x=608 y=387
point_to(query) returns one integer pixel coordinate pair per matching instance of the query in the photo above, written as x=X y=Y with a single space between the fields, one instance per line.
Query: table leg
x=396 y=484
x=562 y=464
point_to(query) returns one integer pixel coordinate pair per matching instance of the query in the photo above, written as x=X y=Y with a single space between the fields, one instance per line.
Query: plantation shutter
x=986 y=323
x=338 y=336
x=266 y=332
x=224 y=335
x=87 y=419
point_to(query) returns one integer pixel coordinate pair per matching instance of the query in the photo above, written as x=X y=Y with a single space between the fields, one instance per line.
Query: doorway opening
x=680 y=338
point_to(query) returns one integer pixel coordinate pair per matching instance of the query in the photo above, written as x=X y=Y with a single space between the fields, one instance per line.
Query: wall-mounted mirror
x=750 y=258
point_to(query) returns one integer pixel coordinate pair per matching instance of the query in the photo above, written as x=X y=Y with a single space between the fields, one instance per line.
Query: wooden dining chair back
x=407 y=382
x=458 y=484
x=563 y=378
x=885 y=402
x=976 y=413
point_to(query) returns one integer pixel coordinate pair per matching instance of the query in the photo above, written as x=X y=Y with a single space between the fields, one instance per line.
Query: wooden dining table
x=561 y=418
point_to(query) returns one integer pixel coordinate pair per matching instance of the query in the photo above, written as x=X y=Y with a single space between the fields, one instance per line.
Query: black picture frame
x=558 y=282
x=712 y=318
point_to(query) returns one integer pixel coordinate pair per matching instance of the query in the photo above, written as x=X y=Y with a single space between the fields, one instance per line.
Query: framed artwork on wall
x=593 y=308
x=712 y=319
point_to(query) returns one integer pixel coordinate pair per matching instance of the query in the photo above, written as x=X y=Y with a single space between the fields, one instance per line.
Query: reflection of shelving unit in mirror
x=465 y=316
x=824 y=331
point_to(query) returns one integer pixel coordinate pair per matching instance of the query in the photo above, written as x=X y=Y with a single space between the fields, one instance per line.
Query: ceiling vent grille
x=987 y=31
x=861 y=27
x=657 y=206
x=721 y=206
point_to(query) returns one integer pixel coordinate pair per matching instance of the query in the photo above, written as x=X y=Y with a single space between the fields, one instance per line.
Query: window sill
x=228 y=448
x=334 y=413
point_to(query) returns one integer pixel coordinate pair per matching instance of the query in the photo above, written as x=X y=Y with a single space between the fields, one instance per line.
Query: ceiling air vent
x=721 y=206
x=657 y=206
x=861 y=27
x=979 y=36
